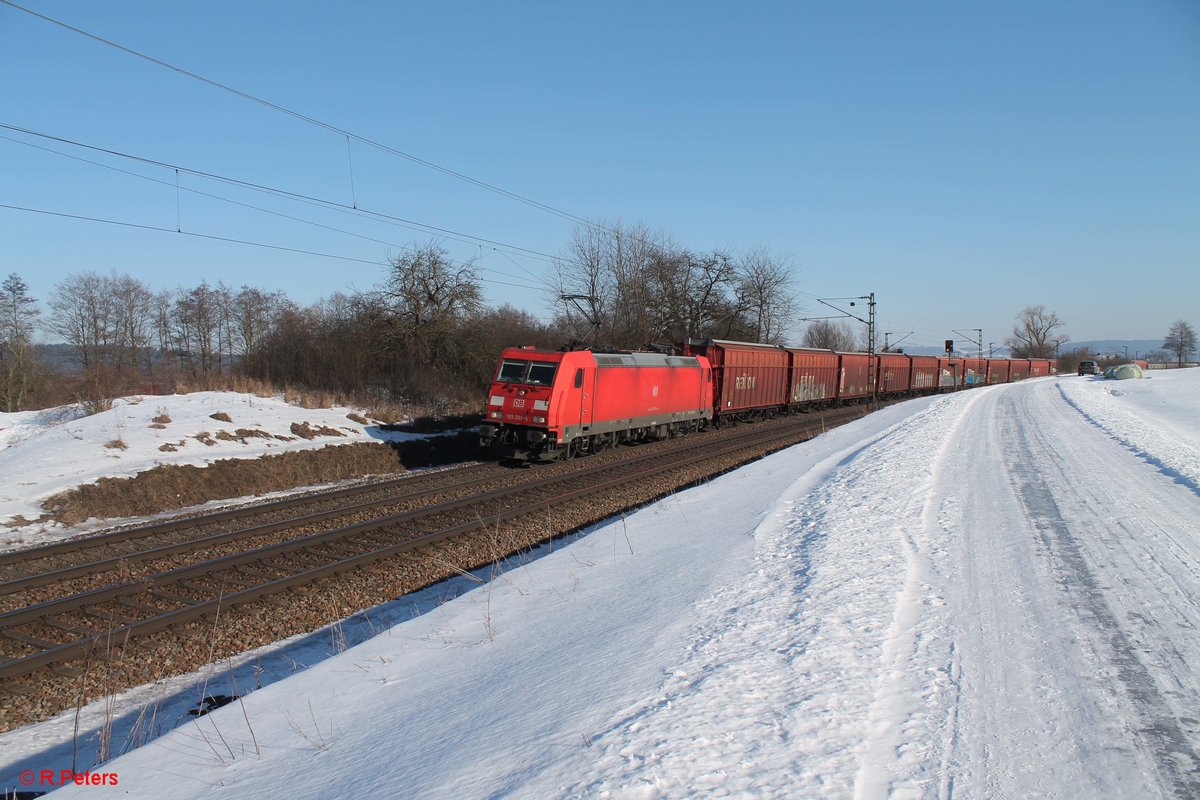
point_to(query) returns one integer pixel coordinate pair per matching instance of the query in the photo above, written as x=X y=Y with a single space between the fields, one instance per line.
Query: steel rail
x=15 y=668
x=283 y=504
x=14 y=585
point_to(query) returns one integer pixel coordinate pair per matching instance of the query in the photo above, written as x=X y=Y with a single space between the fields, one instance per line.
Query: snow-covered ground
x=43 y=453
x=993 y=594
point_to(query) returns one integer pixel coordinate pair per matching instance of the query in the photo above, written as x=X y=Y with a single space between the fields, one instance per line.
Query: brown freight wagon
x=974 y=372
x=749 y=380
x=950 y=373
x=1039 y=367
x=997 y=370
x=854 y=376
x=1018 y=369
x=895 y=372
x=925 y=373
x=813 y=376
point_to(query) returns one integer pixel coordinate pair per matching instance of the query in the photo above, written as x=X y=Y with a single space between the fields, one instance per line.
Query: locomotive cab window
x=579 y=378
x=536 y=373
x=541 y=373
x=512 y=371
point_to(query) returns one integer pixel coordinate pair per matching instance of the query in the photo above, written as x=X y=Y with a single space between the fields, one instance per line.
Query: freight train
x=548 y=405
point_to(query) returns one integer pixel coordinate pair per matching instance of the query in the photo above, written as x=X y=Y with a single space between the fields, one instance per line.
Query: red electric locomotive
x=550 y=404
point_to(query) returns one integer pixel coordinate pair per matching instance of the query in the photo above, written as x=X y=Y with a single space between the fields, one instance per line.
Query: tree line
x=423 y=336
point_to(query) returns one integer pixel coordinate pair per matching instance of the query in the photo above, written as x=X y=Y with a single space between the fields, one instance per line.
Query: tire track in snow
x=1160 y=733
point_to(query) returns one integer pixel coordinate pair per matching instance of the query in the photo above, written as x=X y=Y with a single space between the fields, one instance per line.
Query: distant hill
x=1122 y=348
x=1117 y=347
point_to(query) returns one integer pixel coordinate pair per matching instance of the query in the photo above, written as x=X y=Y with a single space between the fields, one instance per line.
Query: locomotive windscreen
x=537 y=373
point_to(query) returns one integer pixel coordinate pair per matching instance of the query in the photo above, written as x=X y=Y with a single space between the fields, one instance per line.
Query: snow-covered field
x=993 y=594
x=43 y=453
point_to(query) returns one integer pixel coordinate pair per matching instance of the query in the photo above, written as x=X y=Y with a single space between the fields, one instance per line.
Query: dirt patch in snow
x=170 y=486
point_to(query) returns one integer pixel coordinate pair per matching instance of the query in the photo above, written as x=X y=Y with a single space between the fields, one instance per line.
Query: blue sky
x=959 y=160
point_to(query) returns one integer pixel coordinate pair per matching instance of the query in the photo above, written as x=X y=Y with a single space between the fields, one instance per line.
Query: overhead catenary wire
x=179 y=188
x=229 y=239
x=466 y=238
x=313 y=121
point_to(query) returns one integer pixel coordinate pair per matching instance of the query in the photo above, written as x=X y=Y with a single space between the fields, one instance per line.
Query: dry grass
x=227 y=383
x=359 y=418
x=220 y=416
x=306 y=431
x=162 y=419
x=116 y=444
x=206 y=437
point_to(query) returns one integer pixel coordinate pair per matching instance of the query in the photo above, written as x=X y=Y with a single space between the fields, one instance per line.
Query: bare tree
x=195 y=325
x=132 y=321
x=81 y=312
x=422 y=299
x=628 y=287
x=252 y=313
x=764 y=292
x=1180 y=340
x=1036 y=334
x=826 y=334
x=18 y=367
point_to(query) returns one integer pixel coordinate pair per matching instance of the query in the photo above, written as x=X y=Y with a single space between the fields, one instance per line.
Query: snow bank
x=46 y=452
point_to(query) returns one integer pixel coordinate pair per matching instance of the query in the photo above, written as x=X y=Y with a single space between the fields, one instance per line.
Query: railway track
x=141 y=584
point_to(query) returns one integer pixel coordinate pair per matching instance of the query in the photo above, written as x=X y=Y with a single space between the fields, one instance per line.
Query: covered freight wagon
x=895 y=372
x=997 y=370
x=813 y=376
x=925 y=373
x=950 y=373
x=749 y=379
x=854 y=376
x=1039 y=367
x=1018 y=369
x=974 y=372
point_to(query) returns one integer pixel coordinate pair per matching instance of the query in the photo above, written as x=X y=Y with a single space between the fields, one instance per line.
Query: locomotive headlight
x=541 y=405
x=540 y=420
x=496 y=414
